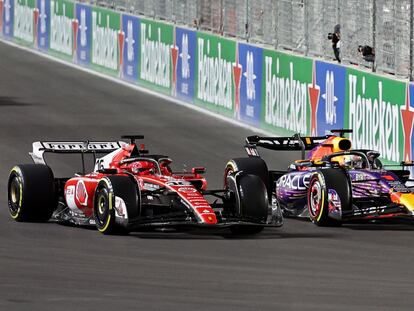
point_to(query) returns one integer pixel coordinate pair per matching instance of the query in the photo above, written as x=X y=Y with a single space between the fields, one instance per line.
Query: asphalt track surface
x=55 y=267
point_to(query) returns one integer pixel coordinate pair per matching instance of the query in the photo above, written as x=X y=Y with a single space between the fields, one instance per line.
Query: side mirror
x=198 y=170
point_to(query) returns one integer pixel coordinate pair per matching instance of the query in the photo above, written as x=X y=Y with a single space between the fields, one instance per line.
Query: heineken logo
x=155 y=57
x=60 y=29
x=214 y=76
x=105 y=42
x=23 y=18
x=285 y=98
x=375 y=121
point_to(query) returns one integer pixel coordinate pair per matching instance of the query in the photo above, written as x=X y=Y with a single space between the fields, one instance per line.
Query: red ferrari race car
x=129 y=190
x=333 y=183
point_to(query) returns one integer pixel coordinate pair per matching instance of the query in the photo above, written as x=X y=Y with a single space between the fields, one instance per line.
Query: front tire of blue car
x=318 y=201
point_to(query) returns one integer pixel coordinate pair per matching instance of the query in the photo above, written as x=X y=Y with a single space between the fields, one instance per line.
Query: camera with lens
x=330 y=36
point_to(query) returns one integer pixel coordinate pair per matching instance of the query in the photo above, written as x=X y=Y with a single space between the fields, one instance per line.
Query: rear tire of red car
x=106 y=192
x=317 y=198
x=31 y=193
x=254 y=165
x=252 y=202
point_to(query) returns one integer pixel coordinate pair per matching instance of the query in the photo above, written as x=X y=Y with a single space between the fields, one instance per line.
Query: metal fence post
x=306 y=13
x=247 y=26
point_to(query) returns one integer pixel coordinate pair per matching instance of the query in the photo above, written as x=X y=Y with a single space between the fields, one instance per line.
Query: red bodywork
x=149 y=172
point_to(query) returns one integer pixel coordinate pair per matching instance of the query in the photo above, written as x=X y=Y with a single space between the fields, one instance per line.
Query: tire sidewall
x=104 y=189
x=322 y=211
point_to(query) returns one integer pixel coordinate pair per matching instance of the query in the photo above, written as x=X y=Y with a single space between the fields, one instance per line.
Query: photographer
x=367 y=52
x=335 y=37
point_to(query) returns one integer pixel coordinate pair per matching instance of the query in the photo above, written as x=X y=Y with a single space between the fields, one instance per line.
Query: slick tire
x=252 y=203
x=31 y=193
x=108 y=190
x=254 y=165
x=317 y=197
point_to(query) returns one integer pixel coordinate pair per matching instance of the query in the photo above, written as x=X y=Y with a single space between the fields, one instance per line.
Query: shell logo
x=81 y=193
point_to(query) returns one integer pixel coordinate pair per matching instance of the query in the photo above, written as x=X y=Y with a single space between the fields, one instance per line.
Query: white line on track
x=142 y=89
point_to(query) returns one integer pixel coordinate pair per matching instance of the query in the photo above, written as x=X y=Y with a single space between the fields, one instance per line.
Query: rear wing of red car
x=74 y=147
x=293 y=143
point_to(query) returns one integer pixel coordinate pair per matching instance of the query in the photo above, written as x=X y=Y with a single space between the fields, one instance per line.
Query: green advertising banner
x=61 y=38
x=24 y=17
x=156 y=41
x=374 y=107
x=285 y=93
x=214 y=87
x=105 y=49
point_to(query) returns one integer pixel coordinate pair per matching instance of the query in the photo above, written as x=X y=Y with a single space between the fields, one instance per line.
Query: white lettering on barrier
x=83 y=28
x=7 y=9
x=330 y=98
x=43 y=17
x=185 y=66
x=155 y=58
x=60 y=30
x=130 y=41
x=286 y=99
x=250 y=77
x=214 y=77
x=105 y=43
x=374 y=121
x=23 y=21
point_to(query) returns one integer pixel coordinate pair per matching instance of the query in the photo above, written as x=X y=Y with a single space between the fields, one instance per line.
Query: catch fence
x=301 y=26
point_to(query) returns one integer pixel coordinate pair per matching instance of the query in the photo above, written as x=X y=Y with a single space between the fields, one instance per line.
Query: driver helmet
x=143 y=167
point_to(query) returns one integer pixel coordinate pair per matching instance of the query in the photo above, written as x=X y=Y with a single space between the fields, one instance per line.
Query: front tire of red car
x=104 y=208
x=107 y=190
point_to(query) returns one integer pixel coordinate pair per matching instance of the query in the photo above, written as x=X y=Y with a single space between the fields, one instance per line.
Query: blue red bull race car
x=333 y=183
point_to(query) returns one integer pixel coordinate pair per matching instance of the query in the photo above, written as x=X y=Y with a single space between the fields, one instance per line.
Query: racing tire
x=317 y=197
x=31 y=193
x=254 y=165
x=252 y=203
x=108 y=189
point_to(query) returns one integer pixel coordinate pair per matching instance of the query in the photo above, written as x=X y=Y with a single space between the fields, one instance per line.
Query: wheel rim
x=15 y=196
x=315 y=199
x=227 y=173
x=102 y=208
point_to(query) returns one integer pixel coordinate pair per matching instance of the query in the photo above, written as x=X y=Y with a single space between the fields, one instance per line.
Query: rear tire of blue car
x=317 y=198
x=31 y=193
x=108 y=189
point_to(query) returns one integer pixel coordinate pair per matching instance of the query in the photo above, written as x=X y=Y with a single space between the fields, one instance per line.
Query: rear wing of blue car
x=293 y=143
